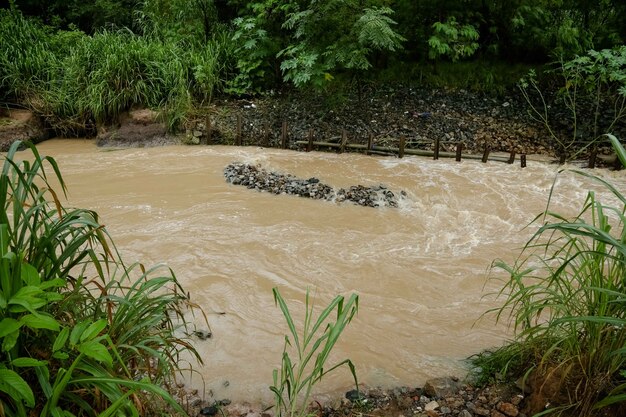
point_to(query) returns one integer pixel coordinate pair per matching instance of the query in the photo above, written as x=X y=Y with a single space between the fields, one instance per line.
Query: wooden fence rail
x=342 y=144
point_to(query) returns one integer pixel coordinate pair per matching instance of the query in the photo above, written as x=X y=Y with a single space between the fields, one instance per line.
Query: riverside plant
x=597 y=81
x=565 y=297
x=294 y=381
x=76 y=81
x=80 y=332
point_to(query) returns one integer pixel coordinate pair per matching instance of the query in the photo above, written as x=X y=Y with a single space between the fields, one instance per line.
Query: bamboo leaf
x=95 y=350
x=13 y=385
x=93 y=330
x=27 y=362
x=40 y=321
x=60 y=340
x=9 y=325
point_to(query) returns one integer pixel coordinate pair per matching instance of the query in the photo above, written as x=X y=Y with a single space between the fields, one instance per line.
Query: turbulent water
x=421 y=270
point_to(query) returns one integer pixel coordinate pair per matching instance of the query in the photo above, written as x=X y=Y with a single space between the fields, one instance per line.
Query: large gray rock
x=442 y=387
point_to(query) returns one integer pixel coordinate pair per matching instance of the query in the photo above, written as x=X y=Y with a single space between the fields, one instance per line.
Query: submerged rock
x=255 y=177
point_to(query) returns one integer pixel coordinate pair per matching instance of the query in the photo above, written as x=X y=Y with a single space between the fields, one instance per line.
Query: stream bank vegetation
x=81 y=332
x=565 y=298
x=79 y=66
x=300 y=371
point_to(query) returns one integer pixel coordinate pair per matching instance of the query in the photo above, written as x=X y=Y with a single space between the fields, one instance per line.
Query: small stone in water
x=209 y=411
x=355 y=395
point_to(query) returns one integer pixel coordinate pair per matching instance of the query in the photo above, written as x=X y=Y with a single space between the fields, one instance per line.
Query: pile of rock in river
x=255 y=177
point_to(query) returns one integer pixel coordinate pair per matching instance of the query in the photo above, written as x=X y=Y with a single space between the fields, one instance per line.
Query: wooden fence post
x=266 y=135
x=309 y=146
x=370 y=143
x=522 y=159
x=284 y=138
x=459 y=149
x=592 y=158
x=511 y=158
x=238 y=140
x=209 y=130
x=436 y=150
x=486 y=154
x=401 y=147
x=344 y=140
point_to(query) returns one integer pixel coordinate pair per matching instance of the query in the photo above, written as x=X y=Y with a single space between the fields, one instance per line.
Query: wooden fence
x=372 y=149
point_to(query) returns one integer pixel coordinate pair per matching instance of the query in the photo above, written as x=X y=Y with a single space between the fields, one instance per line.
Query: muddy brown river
x=421 y=270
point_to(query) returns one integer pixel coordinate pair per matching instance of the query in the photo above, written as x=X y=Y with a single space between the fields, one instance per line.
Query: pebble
x=209 y=411
x=355 y=395
x=508 y=409
x=433 y=405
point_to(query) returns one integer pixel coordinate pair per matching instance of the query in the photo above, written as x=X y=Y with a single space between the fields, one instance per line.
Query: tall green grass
x=305 y=353
x=80 y=332
x=566 y=300
x=77 y=82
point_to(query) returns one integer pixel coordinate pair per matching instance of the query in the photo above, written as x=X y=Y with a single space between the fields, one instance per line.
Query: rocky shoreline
x=439 y=397
x=383 y=113
x=387 y=113
x=257 y=178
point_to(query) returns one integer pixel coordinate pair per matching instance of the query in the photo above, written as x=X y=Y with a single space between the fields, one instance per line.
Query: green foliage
x=24 y=57
x=593 y=85
x=452 y=40
x=76 y=81
x=565 y=298
x=76 y=336
x=312 y=40
x=181 y=21
x=297 y=376
x=255 y=52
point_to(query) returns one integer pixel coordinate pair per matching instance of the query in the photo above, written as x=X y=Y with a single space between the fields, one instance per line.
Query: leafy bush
x=80 y=332
x=452 y=40
x=297 y=376
x=76 y=81
x=311 y=41
x=565 y=298
x=593 y=87
x=25 y=56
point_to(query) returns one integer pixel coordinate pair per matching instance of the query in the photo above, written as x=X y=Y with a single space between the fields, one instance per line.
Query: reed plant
x=77 y=82
x=566 y=299
x=81 y=333
x=299 y=373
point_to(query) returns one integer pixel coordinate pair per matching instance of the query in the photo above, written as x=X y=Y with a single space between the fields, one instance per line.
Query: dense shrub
x=565 y=298
x=76 y=81
x=80 y=332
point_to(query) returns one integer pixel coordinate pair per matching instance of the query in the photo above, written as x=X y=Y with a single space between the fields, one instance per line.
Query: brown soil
x=20 y=125
x=137 y=128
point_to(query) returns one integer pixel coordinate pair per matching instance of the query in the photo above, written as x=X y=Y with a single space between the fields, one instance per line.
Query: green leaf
x=10 y=340
x=27 y=299
x=43 y=376
x=13 y=385
x=60 y=355
x=40 y=321
x=93 y=330
x=27 y=362
x=619 y=149
x=30 y=276
x=97 y=351
x=8 y=326
x=60 y=340
x=53 y=283
x=77 y=331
